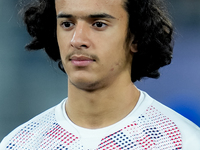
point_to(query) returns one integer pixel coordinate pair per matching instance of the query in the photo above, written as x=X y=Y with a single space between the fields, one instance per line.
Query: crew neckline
x=100 y=130
x=86 y=135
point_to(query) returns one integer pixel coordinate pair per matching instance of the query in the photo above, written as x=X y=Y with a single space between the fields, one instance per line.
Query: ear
x=131 y=44
x=134 y=48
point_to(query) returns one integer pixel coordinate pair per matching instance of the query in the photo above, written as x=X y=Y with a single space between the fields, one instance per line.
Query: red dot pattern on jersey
x=151 y=130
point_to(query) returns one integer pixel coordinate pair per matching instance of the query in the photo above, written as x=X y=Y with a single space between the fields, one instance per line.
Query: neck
x=103 y=107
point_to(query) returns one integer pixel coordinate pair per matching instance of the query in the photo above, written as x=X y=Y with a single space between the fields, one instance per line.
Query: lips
x=81 y=61
x=80 y=58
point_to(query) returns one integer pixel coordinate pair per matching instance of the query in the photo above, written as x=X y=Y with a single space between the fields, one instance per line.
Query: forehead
x=86 y=7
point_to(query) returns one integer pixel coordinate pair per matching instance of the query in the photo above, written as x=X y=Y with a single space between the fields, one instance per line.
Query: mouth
x=81 y=60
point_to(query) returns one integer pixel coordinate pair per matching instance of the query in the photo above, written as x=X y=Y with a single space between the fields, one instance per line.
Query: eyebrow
x=101 y=15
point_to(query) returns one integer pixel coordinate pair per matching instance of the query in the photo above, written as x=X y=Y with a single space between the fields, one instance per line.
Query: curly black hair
x=149 y=23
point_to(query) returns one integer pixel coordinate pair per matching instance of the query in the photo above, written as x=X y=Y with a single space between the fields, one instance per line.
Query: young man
x=104 y=46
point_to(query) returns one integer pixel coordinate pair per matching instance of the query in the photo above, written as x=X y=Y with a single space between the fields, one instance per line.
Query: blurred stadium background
x=31 y=83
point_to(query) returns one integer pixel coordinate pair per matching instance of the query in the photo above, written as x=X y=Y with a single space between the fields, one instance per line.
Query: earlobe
x=132 y=44
x=134 y=48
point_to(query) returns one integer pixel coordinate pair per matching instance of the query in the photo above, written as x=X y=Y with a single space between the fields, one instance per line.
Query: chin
x=87 y=85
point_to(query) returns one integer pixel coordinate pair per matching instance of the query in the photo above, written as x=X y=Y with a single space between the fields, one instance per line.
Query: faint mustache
x=91 y=56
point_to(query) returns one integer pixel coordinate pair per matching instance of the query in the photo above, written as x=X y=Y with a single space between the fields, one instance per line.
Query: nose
x=80 y=37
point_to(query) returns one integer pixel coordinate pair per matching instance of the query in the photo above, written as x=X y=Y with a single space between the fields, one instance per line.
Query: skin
x=97 y=59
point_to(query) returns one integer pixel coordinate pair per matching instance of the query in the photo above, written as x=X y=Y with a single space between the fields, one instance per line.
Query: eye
x=99 y=24
x=67 y=25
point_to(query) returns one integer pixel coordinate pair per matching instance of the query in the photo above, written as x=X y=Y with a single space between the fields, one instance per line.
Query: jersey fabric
x=150 y=126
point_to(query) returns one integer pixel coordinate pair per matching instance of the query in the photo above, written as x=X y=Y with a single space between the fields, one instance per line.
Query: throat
x=99 y=111
x=91 y=116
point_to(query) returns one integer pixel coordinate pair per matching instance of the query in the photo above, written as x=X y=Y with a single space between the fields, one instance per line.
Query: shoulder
x=190 y=133
x=30 y=129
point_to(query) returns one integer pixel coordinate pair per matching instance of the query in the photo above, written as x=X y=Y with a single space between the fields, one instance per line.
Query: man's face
x=91 y=37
